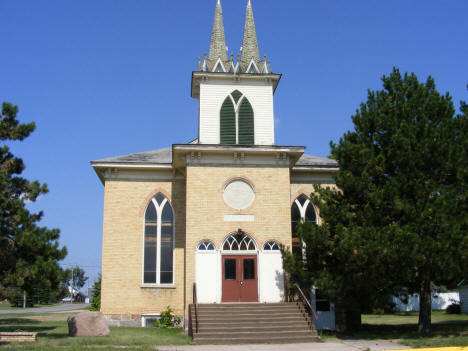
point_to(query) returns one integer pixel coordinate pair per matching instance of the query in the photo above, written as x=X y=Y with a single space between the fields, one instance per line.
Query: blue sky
x=111 y=77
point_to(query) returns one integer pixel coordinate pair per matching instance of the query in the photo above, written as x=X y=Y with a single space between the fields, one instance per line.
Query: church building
x=209 y=216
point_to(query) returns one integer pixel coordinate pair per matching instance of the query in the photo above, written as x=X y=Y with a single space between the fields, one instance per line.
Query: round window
x=238 y=194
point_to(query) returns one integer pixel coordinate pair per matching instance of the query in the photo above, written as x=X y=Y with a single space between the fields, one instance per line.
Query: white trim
x=239 y=217
x=219 y=63
x=252 y=63
x=205 y=66
x=146 y=316
x=130 y=165
x=158 y=286
x=238 y=252
x=303 y=208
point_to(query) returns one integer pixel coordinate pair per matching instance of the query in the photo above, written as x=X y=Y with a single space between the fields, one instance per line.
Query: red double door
x=240 y=278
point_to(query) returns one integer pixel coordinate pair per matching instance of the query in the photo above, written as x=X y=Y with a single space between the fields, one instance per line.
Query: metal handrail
x=195 y=304
x=306 y=302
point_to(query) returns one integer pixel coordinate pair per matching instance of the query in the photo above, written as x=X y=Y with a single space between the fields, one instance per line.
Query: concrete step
x=256 y=340
x=246 y=304
x=250 y=310
x=247 y=314
x=203 y=328
x=262 y=334
x=298 y=323
x=252 y=323
x=252 y=318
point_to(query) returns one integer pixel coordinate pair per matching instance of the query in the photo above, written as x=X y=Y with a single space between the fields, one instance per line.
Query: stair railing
x=195 y=304
x=306 y=302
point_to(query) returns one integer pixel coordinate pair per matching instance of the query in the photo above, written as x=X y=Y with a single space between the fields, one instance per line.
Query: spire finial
x=249 y=43
x=218 y=40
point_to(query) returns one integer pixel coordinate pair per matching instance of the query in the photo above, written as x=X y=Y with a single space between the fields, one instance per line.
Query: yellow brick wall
x=202 y=193
x=122 y=248
x=206 y=208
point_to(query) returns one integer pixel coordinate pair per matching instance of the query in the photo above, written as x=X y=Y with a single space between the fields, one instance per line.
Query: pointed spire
x=218 y=41
x=249 y=44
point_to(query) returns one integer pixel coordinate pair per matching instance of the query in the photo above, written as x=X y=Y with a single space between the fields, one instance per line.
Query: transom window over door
x=239 y=241
x=158 y=258
x=237 y=120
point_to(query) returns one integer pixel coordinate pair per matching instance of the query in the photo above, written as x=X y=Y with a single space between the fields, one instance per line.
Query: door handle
x=241 y=282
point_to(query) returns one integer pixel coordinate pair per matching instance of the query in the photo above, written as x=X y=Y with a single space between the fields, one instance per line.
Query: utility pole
x=71 y=290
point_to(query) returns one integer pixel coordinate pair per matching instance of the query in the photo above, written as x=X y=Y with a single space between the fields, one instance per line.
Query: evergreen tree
x=96 y=295
x=30 y=253
x=398 y=216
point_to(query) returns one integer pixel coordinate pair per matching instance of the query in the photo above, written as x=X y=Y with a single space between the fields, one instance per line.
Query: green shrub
x=454 y=308
x=167 y=319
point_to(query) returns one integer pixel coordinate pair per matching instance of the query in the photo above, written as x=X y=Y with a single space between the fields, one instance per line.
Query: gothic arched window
x=237 y=120
x=302 y=210
x=206 y=246
x=239 y=241
x=271 y=246
x=158 y=258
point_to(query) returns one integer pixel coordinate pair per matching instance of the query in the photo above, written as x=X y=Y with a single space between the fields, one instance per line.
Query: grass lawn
x=447 y=329
x=52 y=334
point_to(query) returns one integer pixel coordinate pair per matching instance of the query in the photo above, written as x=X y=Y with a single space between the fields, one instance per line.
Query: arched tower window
x=237 y=120
x=302 y=210
x=158 y=258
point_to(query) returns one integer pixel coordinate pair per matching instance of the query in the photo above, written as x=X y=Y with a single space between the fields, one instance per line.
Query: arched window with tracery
x=206 y=245
x=237 y=120
x=302 y=210
x=271 y=246
x=158 y=261
x=239 y=241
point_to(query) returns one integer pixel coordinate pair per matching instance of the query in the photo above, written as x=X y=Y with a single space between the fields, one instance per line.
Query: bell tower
x=235 y=96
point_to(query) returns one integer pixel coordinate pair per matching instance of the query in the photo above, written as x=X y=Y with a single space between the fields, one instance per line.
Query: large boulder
x=88 y=324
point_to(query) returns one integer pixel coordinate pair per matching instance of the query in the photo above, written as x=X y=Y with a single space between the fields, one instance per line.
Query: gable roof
x=164 y=157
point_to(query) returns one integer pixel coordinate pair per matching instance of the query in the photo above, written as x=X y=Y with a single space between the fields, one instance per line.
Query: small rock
x=88 y=324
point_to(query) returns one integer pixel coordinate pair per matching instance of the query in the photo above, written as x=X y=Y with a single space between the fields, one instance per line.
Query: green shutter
x=227 y=122
x=236 y=94
x=246 y=123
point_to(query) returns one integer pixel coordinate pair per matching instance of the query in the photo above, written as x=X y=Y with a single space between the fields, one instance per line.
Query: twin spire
x=217 y=60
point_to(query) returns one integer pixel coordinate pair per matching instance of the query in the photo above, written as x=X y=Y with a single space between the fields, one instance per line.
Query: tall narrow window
x=159 y=242
x=302 y=210
x=237 y=120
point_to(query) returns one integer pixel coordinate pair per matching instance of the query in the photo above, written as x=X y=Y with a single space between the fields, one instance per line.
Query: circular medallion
x=238 y=194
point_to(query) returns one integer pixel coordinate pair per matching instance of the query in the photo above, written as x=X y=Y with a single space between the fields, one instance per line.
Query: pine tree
x=96 y=295
x=30 y=253
x=398 y=217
